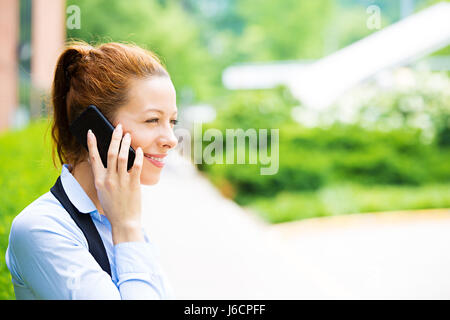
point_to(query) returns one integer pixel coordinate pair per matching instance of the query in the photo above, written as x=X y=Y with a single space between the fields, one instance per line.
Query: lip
x=156 y=163
x=155 y=155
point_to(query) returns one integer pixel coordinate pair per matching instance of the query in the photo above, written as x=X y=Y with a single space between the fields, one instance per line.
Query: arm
x=53 y=261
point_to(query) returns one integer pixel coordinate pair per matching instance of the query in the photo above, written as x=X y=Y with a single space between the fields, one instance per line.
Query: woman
x=50 y=256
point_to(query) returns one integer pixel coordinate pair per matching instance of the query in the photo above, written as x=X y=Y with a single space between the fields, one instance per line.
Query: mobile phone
x=93 y=119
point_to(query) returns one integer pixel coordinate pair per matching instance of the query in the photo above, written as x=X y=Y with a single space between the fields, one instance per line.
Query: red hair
x=99 y=75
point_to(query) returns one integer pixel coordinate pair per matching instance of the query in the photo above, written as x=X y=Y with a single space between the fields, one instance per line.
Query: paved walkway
x=211 y=248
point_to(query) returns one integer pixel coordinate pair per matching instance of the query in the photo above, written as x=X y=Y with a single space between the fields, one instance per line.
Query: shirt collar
x=75 y=192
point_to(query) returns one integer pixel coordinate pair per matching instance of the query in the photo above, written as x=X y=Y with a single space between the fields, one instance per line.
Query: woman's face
x=149 y=117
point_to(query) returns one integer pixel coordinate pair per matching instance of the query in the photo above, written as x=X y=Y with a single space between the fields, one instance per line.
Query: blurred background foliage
x=26 y=172
x=197 y=39
x=397 y=137
x=384 y=163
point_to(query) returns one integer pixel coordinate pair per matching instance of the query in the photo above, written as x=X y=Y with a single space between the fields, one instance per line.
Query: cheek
x=137 y=140
x=149 y=174
x=144 y=139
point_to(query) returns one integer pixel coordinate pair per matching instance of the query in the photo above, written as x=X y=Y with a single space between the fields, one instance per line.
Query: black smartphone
x=93 y=119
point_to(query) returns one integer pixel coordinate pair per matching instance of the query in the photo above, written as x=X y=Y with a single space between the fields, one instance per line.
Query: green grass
x=26 y=172
x=348 y=199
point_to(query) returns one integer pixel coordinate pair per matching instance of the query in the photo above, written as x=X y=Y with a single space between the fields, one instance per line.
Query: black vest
x=85 y=223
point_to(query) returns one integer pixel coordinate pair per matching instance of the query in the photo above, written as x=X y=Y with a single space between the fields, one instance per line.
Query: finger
x=113 y=150
x=123 y=154
x=136 y=169
x=94 y=156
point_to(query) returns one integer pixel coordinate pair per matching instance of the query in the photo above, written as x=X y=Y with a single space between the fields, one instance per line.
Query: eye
x=155 y=120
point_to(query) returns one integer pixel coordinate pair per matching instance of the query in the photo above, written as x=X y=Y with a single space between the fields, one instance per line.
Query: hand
x=118 y=190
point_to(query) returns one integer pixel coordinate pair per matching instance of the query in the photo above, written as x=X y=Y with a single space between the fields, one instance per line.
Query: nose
x=167 y=139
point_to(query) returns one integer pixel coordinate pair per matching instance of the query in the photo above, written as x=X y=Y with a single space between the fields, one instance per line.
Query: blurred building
x=9 y=26
x=46 y=20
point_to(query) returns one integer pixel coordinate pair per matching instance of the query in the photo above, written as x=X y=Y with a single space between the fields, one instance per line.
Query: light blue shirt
x=48 y=254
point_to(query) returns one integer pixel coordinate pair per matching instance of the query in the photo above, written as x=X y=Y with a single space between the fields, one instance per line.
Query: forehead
x=155 y=93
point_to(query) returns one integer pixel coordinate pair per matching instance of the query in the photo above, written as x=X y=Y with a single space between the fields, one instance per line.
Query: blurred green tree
x=290 y=29
x=163 y=27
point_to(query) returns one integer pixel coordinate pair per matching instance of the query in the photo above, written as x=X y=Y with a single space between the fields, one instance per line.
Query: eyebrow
x=158 y=110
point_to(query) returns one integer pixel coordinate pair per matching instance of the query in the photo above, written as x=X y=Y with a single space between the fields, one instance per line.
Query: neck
x=82 y=172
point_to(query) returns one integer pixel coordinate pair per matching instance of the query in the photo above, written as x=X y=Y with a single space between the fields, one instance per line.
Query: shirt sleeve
x=139 y=274
x=54 y=262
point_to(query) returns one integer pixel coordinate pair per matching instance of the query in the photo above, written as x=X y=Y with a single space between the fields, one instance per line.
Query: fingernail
x=89 y=132
x=119 y=126
x=127 y=135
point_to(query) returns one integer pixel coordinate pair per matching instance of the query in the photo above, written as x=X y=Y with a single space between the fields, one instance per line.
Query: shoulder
x=42 y=220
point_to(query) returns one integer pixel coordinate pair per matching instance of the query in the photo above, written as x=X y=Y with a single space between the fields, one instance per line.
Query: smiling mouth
x=157 y=161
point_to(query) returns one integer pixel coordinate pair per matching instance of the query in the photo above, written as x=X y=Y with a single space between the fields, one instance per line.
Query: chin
x=150 y=178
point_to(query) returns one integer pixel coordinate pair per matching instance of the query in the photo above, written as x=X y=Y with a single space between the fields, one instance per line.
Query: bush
x=348 y=199
x=26 y=172
x=258 y=109
x=311 y=159
x=420 y=100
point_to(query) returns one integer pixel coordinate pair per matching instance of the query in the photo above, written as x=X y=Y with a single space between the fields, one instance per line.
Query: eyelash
x=174 y=122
